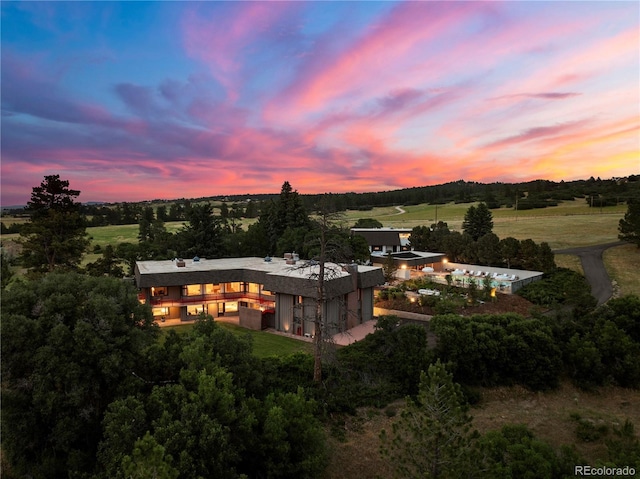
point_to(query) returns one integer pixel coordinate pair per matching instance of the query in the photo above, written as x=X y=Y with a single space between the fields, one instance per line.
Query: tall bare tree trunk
x=317 y=340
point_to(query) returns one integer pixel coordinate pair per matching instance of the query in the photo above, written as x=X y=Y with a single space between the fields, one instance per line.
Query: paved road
x=594 y=270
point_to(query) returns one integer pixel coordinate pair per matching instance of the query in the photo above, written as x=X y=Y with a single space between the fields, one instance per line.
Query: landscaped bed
x=502 y=303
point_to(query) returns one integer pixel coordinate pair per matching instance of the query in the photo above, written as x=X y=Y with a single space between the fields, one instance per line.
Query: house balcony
x=209 y=298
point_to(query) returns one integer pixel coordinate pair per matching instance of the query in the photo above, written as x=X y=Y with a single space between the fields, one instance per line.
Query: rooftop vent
x=196 y=259
x=267 y=259
x=180 y=263
x=291 y=258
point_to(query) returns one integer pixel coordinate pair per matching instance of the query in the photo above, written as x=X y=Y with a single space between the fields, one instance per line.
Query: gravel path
x=594 y=270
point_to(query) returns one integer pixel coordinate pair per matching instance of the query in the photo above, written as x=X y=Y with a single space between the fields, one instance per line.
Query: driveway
x=594 y=270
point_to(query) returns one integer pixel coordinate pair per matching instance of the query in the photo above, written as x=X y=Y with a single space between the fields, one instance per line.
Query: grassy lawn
x=563 y=232
x=264 y=343
x=623 y=264
x=571 y=223
x=569 y=261
x=114 y=234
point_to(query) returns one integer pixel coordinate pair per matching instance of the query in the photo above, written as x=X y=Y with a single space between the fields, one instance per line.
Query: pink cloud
x=219 y=40
x=367 y=65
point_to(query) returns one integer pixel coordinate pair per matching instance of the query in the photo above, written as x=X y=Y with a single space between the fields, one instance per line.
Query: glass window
x=254 y=288
x=212 y=288
x=232 y=287
x=191 y=290
x=159 y=291
x=196 y=309
x=160 y=311
x=231 y=307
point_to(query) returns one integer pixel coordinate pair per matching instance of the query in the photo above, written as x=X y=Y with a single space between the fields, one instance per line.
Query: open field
x=264 y=343
x=547 y=414
x=12 y=220
x=114 y=234
x=571 y=223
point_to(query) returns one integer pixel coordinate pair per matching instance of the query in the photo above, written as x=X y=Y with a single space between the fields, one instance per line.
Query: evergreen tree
x=144 y=225
x=514 y=451
x=488 y=249
x=108 y=265
x=6 y=273
x=509 y=250
x=251 y=211
x=56 y=233
x=389 y=269
x=419 y=239
x=367 y=223
x=161 y=213
x=277 y=216
x=432 y=438
x=203 y=235
x=148 y=461
x=478 y=221
x=629 y=226
x=70 y=346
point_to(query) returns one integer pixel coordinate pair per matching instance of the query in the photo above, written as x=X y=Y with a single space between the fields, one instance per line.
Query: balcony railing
x=205 y=298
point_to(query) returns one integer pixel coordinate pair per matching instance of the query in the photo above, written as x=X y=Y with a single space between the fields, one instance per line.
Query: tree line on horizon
x=596 y=192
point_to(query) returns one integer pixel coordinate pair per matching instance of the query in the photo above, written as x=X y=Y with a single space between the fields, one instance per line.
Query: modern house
x=385 y=240
x=280 y=293
x=504 y=280
x=394 y=243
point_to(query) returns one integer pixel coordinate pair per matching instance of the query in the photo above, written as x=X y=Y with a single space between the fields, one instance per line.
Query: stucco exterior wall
x=250 y=318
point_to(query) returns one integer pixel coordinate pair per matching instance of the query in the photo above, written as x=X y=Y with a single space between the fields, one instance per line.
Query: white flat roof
x=521 y=273
x=277 y=266
x=384 y=228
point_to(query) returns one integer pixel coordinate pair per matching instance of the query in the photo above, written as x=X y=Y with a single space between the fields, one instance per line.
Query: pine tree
x=56 y=233
x=478 y=221
x=629 y=226
x=432 y=438
x=389 y=268
x=148 y=461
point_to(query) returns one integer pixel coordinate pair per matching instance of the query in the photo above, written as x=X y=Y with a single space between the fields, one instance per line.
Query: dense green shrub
x=499 y=349
x=562 y=287
x=383 y=366
x=514 y=451
x=602 y=347
x=448 y=305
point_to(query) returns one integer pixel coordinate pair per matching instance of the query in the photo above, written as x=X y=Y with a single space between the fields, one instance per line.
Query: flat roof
x=277 y=266
x=521 y=273
x=275 y=273
x=384 y=228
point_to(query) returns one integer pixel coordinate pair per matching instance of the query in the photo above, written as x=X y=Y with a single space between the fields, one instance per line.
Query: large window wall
x=217 y=299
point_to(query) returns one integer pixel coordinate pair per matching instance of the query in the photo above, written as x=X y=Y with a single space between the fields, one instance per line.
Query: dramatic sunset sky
x=143 y=100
